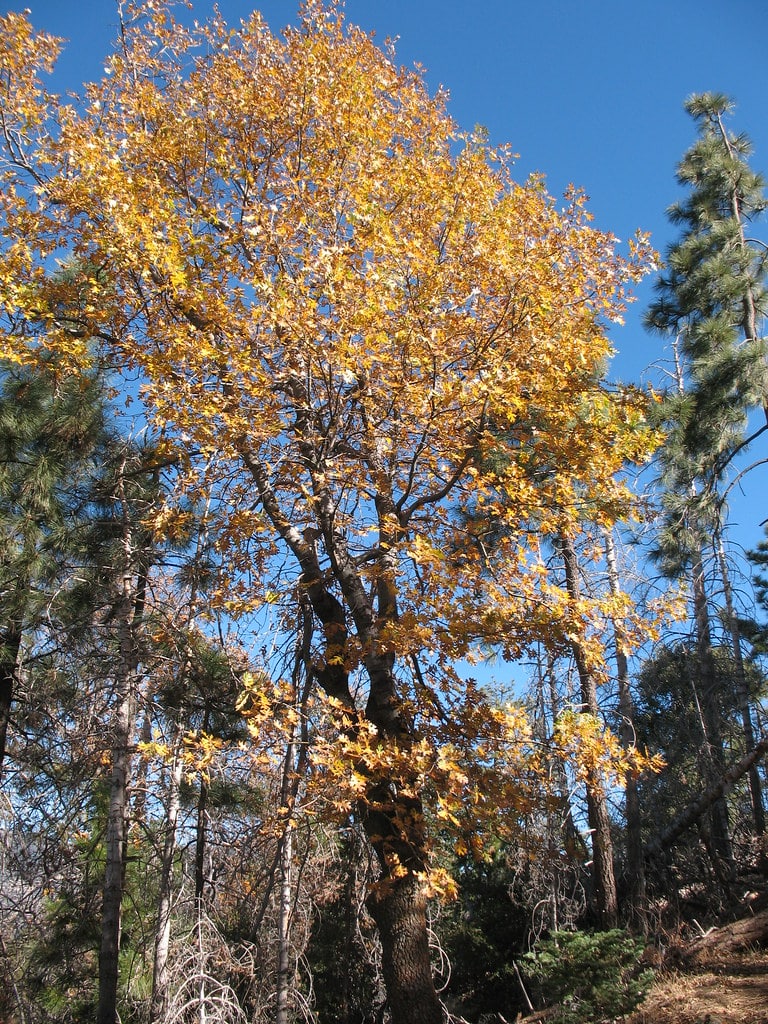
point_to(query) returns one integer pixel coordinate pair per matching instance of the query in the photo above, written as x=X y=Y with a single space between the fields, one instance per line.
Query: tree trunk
x=128 y=615
x=575 y=845
x=742 y=696
x=393 y=818
x=561 y=828
x=10 y=654
x=635 y=859
x=394 y=822
x=694 y=810
x=293 y=770
x=712 y=750
x=284 y=925
x=201 y=833
x=165 y=900
x=116 y=838
x=603 y=872
x=399 y=908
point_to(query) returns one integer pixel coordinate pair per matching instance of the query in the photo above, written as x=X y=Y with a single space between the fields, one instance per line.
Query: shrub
x=593 y=976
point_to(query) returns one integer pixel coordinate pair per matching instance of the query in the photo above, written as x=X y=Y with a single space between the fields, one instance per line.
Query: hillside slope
x=718 y=978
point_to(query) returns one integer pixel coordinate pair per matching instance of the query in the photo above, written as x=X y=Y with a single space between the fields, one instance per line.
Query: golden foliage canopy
x=340 y=306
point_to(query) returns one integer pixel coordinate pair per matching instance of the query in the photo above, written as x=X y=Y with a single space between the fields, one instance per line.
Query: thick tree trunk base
x=399 y=908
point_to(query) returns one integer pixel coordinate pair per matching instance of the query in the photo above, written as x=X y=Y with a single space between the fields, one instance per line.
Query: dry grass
x=737 y=997
x=716 y=984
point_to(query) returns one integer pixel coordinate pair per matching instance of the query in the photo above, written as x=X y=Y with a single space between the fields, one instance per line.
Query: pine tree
x=713 y=293
x=53 y=435
x=711 y=300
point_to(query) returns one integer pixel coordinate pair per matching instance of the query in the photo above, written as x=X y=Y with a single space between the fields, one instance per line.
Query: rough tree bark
x=399 y=908
x=712 y=749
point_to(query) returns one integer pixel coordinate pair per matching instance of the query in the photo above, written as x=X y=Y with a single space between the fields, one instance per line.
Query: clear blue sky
x=588 y=92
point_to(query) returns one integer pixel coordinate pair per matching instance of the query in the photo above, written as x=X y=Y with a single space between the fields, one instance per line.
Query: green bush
x=593 y=976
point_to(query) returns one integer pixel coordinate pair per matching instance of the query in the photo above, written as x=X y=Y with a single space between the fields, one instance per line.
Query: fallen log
x=748 y=933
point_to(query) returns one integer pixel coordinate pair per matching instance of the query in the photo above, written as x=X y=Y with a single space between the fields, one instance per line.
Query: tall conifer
x=52 y=437
x=711 y=299
x=713 y=292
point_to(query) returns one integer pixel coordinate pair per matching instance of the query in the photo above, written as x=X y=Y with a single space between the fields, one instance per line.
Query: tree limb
x=696 y=808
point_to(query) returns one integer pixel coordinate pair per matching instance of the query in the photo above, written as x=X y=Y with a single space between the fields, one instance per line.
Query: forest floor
x=717 y=978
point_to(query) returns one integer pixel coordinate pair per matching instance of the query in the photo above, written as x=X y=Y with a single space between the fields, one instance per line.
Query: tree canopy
x=335 y=301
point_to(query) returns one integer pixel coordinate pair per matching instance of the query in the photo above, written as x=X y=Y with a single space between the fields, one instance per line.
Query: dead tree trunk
x=129 y=613
x=635 y=860
x=165 y=895
x=694 y=810
x=603 y=872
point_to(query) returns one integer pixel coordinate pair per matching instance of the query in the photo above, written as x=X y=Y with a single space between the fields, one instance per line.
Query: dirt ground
x=720 y=978
x=735 y=994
